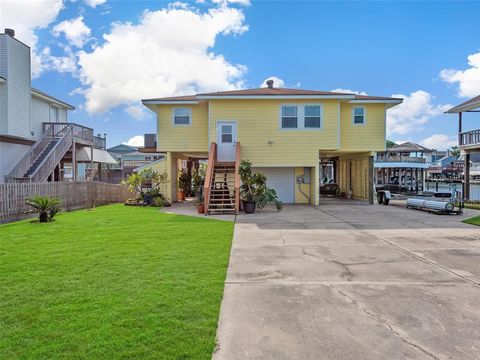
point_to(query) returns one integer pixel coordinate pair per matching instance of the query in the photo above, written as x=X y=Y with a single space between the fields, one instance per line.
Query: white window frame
x=54 y=114
x=364 y=115
x=300 y=117
x=189 y=115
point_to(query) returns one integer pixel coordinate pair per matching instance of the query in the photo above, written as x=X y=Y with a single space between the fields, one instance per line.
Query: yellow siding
x=159 y=166
x=299 y=197
x=262 y=140
x=357 y=166
x=193 y=138
x=368 y=137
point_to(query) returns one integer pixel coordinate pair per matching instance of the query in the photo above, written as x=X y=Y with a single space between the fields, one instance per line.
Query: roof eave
x=376 y=101
x=43 y=96
x=463 y=108
x=277 y=97
x=169 y=102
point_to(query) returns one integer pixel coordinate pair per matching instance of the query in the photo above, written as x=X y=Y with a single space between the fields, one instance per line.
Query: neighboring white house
x=24 y=112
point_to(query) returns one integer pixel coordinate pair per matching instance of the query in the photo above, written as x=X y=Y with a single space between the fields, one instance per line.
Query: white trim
x=51 y=100
x=364 y=116
x=300 y=117
x=230 y=97
x=2 y=80
x=339 y=125
x=169 y=102
x=359 y=101
x=209 y=129
x=189 y=116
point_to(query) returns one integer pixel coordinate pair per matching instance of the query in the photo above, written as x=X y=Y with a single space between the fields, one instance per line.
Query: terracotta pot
x=180 y=196
x=201 y=208
x=249 y=206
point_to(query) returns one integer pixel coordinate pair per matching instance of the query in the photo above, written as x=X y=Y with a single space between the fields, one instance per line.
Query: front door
x=226 y=140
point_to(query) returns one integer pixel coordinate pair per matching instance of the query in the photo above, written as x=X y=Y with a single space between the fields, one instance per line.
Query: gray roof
x=409 y=147
x=468 y=105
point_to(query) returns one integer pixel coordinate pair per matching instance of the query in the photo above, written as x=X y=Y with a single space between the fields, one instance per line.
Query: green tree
x=455 y=151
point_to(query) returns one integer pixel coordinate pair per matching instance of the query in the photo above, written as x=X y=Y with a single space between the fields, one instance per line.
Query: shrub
x=46 y=207
x=158 y=201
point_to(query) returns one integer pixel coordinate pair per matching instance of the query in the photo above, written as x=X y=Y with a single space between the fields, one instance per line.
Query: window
x=358 y=116
x=312 y=116
x=227 y=135
x=289 y=116
x=182 y=116
x=54 y=114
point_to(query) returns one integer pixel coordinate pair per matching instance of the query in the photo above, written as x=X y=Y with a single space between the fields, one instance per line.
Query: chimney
x=10 y=32
x=270 y=84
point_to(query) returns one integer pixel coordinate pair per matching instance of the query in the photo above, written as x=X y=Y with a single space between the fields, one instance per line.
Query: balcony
x=399 y=158
x=81 y=134
x=470 y=139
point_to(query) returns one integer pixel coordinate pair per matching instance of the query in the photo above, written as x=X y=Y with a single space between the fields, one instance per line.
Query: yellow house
x=292 y=136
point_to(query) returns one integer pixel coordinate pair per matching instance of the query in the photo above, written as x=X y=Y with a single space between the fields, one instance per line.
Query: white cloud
x=277 y=82
x=169 y=52
x=415 y=111
x=468 y=80
x=136 y=111
x=225 y=2
x=94 y=3
x=439 y=142
x=137 y=141
x=348 y=91
x=75 y=31
x=26 y=16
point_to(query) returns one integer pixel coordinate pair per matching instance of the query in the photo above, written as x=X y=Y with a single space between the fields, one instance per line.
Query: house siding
x=370 y=136
x=264 y=143
x=10 y=154
x=193 y=138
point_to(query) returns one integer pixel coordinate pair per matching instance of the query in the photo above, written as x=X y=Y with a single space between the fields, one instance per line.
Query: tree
x=455 y=151
x=390 y=144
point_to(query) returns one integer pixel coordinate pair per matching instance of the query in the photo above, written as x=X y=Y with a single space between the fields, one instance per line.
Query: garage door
x=282 y=180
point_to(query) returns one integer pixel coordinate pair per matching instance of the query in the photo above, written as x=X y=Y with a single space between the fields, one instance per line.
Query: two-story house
x=285 y=133
x=36 y=140
x=468 y=140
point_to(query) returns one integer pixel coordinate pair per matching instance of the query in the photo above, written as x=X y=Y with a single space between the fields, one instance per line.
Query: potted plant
x=254 y=190
x=200 y=205
x=184 y=183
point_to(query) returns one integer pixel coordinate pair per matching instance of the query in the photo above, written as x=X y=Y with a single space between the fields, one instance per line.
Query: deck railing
x=80 y=133
x=212 y=158
x=99 y=142
x=399 y=158
x=237 y=177
x=468 y=138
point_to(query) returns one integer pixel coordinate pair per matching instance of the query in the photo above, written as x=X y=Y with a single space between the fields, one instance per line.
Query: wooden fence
x=72 y=195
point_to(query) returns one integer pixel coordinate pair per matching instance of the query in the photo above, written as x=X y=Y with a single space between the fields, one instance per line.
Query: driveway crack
x=382 y=321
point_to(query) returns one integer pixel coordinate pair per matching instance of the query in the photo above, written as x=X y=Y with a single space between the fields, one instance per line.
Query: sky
x=104 y=56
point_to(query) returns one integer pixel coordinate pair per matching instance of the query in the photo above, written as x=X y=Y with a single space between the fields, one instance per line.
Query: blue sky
x=103 y=56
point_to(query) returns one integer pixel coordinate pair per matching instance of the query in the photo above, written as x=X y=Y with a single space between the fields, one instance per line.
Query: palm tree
x=46 y=206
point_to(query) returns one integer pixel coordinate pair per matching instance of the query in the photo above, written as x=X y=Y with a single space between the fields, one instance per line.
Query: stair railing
x=212 y=158
x=29 y=158
x=237 y=177
x=47 y=166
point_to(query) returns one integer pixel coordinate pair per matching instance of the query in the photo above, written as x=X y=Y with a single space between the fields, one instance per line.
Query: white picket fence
x=72 y=195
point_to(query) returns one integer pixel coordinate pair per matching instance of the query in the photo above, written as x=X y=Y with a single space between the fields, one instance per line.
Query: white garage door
x=282 y=180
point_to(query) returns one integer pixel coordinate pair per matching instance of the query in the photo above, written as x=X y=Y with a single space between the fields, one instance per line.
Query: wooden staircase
x=222 y=189
x=222 y=184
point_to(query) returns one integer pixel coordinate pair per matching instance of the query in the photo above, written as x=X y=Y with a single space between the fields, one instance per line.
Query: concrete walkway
x=351 y=281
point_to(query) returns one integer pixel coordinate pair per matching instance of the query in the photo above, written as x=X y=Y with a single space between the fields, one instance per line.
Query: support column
x=74 y=161
x=460 y=142
x=371 y=185
x=91 y=161
x=466 y=177
x=315 y=183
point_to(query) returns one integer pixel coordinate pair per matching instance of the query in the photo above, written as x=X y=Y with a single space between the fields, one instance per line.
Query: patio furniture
x=329 y=190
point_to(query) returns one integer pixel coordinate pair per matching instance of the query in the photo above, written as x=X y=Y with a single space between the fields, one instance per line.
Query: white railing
x=47 y=166
x=398 y=158
x=28 y=159
x=469 y=138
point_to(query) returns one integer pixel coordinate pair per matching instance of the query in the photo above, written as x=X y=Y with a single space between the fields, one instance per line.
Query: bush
x=158 y=201
x=46 y=207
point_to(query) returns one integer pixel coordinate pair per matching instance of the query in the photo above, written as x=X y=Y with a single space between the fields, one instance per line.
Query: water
x=474 y=188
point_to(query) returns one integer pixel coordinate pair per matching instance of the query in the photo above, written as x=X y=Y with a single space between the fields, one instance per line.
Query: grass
x=116 y=282
x=473 y=221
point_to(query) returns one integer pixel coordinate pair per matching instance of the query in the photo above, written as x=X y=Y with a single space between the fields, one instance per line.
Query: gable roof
x=270 y=93
x=468 y=105
x=409 y=147
x=122 y=148
x=44 y=96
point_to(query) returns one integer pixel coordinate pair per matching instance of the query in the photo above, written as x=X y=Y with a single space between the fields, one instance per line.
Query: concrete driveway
x=351 y=281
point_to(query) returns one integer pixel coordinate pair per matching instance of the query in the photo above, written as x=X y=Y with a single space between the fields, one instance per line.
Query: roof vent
x=10 y=32
x=270 y=84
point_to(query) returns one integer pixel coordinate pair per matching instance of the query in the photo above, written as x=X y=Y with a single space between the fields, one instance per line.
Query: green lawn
x=116 y=282
x=473 y=221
